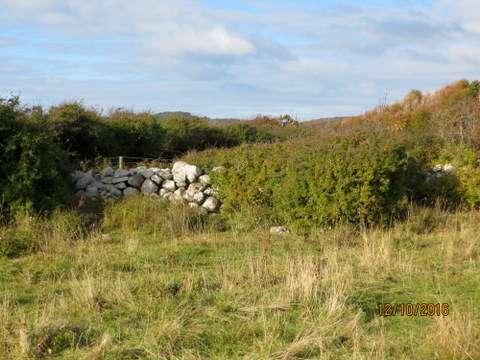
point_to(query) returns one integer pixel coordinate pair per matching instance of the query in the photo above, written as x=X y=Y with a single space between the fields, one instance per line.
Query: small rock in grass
x=279 y=230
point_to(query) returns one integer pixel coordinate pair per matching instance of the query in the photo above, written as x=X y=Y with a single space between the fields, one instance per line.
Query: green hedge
x=86 y=134
x=34 y=171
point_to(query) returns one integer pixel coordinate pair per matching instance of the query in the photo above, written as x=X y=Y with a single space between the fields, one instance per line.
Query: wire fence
x=124 y=162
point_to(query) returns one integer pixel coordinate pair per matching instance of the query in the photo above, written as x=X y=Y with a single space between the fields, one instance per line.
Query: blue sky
x=235 y=58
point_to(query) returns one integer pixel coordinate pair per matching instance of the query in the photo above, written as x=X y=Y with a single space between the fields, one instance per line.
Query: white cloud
x=181 y=54
x=169 y=27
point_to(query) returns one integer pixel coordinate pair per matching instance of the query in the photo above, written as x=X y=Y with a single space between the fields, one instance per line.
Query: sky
x=235 y=58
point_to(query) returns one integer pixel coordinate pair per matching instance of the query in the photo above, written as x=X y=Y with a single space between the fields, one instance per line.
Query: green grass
x=168 y=285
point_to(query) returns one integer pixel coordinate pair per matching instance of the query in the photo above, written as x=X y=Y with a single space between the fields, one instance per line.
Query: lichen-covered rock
x=211 y=204
x=136 y=181
x=169 y=185
x=149 y=187
x=130 y=191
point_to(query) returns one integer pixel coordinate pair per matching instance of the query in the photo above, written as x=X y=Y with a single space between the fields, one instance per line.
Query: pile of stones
x=439 y=171
x=182 y=183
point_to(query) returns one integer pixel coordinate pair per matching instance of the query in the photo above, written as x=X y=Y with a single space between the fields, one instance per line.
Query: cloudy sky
x=309 y=58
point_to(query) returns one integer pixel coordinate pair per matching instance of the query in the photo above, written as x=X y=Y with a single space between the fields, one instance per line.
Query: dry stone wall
x=181 y=183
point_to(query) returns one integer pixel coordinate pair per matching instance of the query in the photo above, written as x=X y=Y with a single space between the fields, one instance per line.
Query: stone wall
x=181 y=183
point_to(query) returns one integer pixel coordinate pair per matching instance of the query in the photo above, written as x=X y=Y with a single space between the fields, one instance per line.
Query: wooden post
x=120 y=162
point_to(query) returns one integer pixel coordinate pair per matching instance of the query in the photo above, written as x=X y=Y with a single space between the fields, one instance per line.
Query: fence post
x=120 y=162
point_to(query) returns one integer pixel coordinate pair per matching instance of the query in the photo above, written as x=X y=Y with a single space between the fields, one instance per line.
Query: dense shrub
x=33 y=168
x=361 y=181
x=77 y=129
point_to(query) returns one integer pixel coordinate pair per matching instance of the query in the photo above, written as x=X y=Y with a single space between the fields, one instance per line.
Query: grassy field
x=156 y=282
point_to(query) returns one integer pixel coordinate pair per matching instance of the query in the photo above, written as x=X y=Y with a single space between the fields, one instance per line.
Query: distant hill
x=322 y=121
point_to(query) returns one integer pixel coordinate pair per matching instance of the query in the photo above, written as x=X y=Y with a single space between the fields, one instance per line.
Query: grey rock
x=146 y=173
x=136 y=181
x=99 y=185
x=91 y=191
x=156 y=179
x=114 y=191
x=165 y=174
x=169 y=185
x=84 y=181
x=107 y=180
x=97 y=177
x=211 y=204
x=279 y=230
x=116 y=180
x=130 y=191
x=121 y=186
x=120 y=173
x=108 y=171
x=149 y=187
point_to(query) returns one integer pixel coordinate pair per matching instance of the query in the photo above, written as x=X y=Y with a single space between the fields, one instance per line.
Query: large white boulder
x=184 y=173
